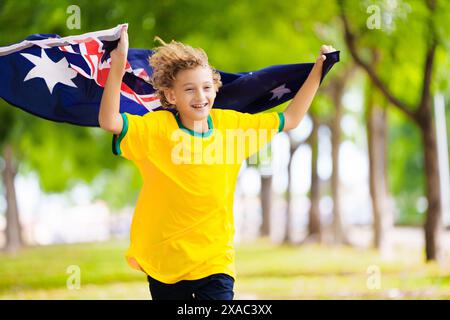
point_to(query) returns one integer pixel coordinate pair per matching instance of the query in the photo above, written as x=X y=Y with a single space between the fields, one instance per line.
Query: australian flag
x=62 y=79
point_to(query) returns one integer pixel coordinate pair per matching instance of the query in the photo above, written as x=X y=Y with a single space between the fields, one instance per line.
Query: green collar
x=195 y=133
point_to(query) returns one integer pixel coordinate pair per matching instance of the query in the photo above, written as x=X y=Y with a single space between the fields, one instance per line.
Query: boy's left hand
x=324 y=49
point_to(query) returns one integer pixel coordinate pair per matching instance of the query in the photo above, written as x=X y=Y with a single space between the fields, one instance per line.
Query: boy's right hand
x=119 y=54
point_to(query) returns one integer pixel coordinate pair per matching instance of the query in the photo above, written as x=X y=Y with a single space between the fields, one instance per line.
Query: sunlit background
x=75 y=199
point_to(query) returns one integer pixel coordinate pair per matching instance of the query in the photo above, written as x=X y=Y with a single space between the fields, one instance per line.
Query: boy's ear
x=170 y=95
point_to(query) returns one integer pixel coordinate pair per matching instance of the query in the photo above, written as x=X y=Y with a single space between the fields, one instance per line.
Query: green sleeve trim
x=117 y=140
x=282 y=121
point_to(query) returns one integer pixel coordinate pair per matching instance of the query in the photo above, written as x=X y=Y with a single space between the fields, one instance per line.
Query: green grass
x=46 y=267
x=318 y=272
x=265 y=271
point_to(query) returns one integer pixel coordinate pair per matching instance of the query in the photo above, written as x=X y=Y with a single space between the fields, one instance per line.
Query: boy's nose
x=200 y=96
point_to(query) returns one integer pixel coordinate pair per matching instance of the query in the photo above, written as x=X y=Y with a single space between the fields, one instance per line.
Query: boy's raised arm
x=298 y=107
x=109 y=116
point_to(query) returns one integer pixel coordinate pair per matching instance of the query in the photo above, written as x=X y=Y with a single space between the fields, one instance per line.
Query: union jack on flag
x=62 y=79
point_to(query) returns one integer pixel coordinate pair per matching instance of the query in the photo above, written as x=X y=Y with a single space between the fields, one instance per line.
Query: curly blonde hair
x=169 y=59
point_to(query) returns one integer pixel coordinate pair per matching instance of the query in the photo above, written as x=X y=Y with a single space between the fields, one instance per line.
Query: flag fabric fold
x=62 y=79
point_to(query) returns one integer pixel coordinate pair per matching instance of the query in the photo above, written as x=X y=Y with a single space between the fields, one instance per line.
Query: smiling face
x=193 y=93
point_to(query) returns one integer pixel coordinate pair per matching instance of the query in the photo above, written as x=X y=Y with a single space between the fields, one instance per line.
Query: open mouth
x=199 y=106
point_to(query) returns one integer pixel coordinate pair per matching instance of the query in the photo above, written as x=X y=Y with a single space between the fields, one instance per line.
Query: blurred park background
x=353 y=204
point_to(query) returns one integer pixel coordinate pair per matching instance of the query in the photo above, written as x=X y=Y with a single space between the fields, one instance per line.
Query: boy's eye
x=190 y=89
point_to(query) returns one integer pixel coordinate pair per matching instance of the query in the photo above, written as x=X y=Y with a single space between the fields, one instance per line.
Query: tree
x=293 y=146
x=419 y=112
x=336 y=90
x=376 y=125
x=314 y=225
x=13 y=230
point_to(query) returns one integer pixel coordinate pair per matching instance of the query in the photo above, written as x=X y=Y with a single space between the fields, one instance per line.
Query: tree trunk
x=314 y=227
x=289 y=205
x=382 y=213
x=266 y=204
x=337 y=91
x=13 y=230
x=433 y=224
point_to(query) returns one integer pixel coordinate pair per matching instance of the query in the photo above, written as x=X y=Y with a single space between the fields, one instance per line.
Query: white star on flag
x=51 y=72
x=279 y=91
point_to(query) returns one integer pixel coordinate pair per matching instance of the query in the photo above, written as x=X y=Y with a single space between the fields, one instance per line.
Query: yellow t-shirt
x=183 y=227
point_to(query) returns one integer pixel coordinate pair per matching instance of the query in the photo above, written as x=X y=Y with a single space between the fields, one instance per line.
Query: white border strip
x=108 y=35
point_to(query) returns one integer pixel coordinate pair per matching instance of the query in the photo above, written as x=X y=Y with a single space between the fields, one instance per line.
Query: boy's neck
x=200 y=126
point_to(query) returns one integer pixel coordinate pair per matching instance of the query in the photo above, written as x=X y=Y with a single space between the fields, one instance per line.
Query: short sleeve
x=262 y=121
x=259 y=129
x=132 y=142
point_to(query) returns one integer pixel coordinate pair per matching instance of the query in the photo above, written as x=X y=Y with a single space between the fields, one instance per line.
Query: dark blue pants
x=214 y=287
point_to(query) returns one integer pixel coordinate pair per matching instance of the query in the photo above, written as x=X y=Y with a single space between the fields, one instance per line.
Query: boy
x=182 y=230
